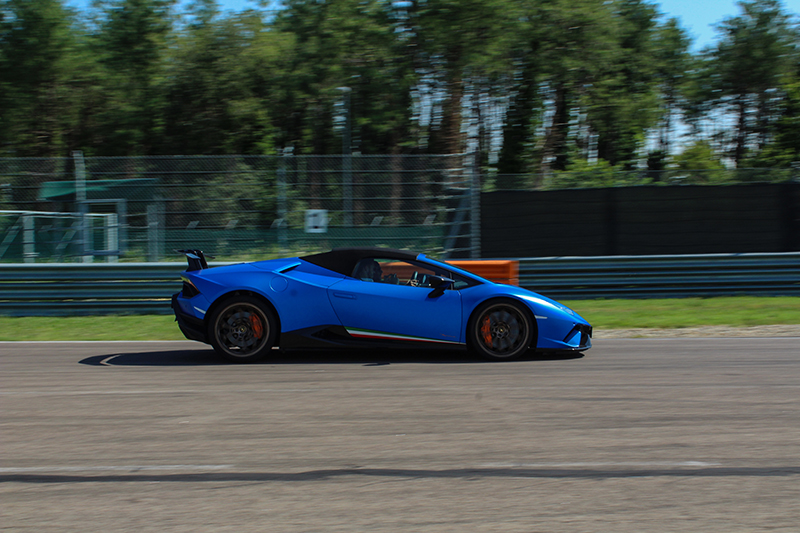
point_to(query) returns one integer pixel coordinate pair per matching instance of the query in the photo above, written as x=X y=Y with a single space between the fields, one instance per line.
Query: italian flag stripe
x=369 y=334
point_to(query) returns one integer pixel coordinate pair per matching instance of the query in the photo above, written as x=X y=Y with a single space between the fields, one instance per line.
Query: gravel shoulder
x=783 y=330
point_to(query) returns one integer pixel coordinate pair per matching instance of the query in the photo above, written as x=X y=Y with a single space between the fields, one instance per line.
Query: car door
x=396 y=305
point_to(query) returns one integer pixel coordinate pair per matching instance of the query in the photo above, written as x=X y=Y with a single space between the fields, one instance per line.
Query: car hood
x=534 y=298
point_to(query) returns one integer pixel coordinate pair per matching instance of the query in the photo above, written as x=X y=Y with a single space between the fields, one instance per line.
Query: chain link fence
x=253 y=207
x=233 y=207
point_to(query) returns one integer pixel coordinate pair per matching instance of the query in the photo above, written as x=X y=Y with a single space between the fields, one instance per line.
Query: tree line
x=533 y=86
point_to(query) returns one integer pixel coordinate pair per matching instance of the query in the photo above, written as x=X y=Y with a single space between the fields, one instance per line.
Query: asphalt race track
x=640 y=435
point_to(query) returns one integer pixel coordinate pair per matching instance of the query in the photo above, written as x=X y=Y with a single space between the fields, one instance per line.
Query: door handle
x=345 y=295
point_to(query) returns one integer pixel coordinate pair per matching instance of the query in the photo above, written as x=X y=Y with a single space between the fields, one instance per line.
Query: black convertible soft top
x=344 y=260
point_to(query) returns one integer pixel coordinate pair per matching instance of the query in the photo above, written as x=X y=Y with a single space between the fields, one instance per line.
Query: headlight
x=566 y=309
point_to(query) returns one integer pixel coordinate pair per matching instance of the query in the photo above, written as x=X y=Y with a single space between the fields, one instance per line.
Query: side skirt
x=338 y=336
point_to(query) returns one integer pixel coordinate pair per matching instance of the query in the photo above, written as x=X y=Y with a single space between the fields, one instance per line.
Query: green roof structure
x=141 y=189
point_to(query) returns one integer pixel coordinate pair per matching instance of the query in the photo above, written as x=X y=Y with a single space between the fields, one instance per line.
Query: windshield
x=453 y=268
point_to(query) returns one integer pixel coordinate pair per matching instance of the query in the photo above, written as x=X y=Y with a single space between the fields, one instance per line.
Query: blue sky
x=697 y=16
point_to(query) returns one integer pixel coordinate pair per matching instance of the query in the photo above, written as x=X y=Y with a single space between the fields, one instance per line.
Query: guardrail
x=146 y=288
x=663 y=276
x=64 y=289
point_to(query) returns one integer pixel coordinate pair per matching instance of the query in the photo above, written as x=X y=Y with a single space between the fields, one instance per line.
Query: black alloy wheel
x=501 y=330
x=243 y=329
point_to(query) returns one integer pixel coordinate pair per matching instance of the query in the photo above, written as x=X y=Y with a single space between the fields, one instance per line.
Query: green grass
x=737 y=311
x=603 y=314
x=90 y=328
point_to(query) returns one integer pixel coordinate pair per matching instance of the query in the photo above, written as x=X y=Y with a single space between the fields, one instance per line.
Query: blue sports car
x=366 y=297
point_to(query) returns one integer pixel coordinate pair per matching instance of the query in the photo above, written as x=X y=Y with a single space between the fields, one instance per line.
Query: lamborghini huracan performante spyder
x=366 y=297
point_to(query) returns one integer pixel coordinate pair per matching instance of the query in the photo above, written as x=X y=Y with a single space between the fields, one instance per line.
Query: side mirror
x=439 y=284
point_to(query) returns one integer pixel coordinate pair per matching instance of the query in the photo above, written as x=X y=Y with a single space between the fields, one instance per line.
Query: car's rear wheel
x=500 y=330
x=243 y=329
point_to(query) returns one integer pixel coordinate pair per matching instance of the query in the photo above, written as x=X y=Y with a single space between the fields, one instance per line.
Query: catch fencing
x=136 y=209
x=237 y=207
x=145 y=288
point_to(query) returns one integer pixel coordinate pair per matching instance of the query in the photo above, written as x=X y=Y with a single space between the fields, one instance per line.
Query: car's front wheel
x=500 y=330
x=243 y=329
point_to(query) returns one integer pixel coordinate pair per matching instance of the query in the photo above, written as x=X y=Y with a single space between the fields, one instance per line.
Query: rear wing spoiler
x=196 y=259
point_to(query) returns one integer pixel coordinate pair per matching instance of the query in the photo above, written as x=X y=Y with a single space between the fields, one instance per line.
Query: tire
x=500 y=330
x=242 y=329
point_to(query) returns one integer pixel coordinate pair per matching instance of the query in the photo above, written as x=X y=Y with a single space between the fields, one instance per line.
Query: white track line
x=122 y=468
x=204 y=468
x=604 y=464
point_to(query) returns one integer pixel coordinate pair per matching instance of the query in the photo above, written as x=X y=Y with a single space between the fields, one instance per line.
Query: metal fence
x=236 y=207
x=109 y=209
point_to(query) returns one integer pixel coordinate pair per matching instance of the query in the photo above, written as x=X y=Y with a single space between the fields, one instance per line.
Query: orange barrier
x=499 y=271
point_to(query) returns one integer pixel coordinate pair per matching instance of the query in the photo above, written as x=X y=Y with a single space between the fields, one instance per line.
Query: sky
x=697 y=17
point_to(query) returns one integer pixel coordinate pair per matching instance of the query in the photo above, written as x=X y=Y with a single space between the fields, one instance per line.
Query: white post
x=152 y=233
x=80 y=201
x=28 y=239
x=112 y=236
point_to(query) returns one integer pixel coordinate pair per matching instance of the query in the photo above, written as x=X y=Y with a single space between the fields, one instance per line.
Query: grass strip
x=671 y=313
x=737 y=311
x=90 y=328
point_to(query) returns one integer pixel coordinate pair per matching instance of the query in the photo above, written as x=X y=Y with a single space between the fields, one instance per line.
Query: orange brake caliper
x=486 y=331
x=258 y=329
